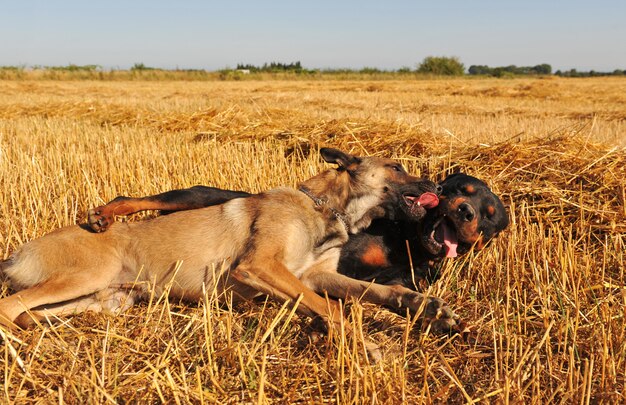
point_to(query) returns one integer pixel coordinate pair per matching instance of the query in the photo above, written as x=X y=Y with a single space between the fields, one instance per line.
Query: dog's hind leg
x=50 y=312
x=69 y=285
x=111 y=300
x=282 y=285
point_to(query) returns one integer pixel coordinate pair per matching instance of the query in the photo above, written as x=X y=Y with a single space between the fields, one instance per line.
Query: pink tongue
x=428 y=200
x=450 y=241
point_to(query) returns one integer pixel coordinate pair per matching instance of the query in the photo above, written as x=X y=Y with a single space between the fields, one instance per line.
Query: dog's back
x=188 y=247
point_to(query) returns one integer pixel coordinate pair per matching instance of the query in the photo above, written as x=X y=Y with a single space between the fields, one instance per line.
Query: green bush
x=441 y=65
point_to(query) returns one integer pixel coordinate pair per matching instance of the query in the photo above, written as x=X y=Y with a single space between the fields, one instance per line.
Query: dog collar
x=320 y=201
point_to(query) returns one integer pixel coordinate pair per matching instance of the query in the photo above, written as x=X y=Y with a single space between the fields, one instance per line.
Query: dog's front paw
x=435 y=312
x=443 y=321
x=99 y=219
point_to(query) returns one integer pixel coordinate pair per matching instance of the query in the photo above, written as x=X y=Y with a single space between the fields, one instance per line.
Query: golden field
x=546 y=300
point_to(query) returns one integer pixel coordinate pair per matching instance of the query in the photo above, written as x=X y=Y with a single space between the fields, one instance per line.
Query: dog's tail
x=3 y=265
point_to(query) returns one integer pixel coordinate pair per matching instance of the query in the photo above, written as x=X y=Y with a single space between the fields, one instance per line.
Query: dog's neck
x=322 y=202
x=335 y=189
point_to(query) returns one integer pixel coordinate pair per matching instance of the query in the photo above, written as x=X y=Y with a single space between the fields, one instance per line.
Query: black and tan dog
x=285 y=243
x=391 y=251
x=468 y=216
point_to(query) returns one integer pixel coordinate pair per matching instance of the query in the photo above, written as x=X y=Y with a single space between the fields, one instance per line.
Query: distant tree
x=480 y=70
x=543 y=69
x=140 y=66
x=442 y=65
x=404 y=69
x=514 y=70
x=505 y=71
x=247 y=66
x=369 y=70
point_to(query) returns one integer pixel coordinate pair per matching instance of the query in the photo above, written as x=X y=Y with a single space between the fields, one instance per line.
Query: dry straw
x=546 y=300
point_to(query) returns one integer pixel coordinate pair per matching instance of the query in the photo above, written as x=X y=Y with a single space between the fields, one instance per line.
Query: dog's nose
x=466 y=212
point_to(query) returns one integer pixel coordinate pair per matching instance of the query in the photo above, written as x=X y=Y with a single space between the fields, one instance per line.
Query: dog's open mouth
x=442 y=235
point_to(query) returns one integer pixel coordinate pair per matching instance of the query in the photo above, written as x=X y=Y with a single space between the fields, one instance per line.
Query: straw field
x=546 y=300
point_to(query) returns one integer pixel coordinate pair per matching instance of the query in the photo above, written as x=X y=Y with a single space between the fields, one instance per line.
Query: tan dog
x=284 y=243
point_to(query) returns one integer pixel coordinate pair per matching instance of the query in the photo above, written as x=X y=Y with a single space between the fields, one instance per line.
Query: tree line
x=438 y=66
x=543 y=69
x=431 y=65
x=590 y=73
x=272 y=67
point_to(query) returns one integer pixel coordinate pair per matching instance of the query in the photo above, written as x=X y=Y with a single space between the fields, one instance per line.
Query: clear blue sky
x=384 y=34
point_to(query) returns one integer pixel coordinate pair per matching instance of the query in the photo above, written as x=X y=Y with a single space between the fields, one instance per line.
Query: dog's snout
x=466 y=212
x=428 y=186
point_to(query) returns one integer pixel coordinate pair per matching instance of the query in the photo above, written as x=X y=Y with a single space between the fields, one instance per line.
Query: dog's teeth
x=419 y=204
x=438 y=223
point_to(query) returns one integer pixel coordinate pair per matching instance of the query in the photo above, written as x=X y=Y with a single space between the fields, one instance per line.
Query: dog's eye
x=397 y=168
x=489 y=211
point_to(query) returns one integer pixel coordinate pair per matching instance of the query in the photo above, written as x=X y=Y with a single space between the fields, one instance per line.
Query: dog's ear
x=344 y=160
x=452 y=176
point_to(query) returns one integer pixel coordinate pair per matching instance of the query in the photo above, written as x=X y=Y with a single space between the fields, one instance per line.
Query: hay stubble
x=546 y=300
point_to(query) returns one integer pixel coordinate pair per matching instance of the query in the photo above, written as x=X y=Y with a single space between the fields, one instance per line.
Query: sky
x=586 y=35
